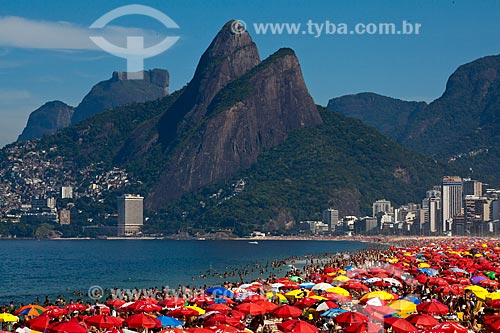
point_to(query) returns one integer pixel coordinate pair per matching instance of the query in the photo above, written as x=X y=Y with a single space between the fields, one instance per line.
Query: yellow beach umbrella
x=341 y=278
x=493 y=296
x=8 y=318
x=196 y=308
x=480 y=292
x=297 y=293
x=403 y=307
x=423 y=265
x=338 y=290
x=320 y=298
x=383 y=295
x=280 y=296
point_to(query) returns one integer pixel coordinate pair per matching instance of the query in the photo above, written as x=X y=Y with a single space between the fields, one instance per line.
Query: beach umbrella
x=492 y=322
x=66 y=327
x=223 y=328
x=298 y=293
x=199 y=330
x=295 y=278
x=146 y=307
x=489 y=283
x=297 y=326
x=39 y=323
x=355 y=285
x=341 y=278
x=255 y=298
x=184 y=311
x=202 y=299
x=55 y=311
x=412 y=299
x=478 y=278
x=30 y=310
x=307 y=285
x=251 y=309
x=403 y=308
x=141 y=320
x=378 y=312
x=222 y=308
x=350 y=317
x=326 y=305
x=322 y=286
x=383 y=295
x=422 y=320
x=338 y=290
x=113 y=330
x=433 y=307
x=75 y=307
x=268 y=306
x=333 y=312
x=376 y=302
x=305 y=302
x=173 y=302
x=287 y=311
x=363 y=328
x=103 y=321
x=116 y=303
x=219 y=291
x=336 y=297
x=197 y=309
x=8 y=318
x=169 y=321
x=393 y=282
x=480 y=292
x=448 y=327
x=217 y=319
x=400 y=325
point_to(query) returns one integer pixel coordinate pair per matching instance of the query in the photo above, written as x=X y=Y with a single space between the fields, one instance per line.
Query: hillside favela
x=249 y=167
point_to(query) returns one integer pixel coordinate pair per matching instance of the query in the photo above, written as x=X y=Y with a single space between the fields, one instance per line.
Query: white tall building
x=451 y=199
x=382 y=206
x=130 y=214
x=67 y=192
x=331 y=217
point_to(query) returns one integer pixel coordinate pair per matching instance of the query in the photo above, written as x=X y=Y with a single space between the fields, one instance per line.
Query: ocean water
x=31 y=268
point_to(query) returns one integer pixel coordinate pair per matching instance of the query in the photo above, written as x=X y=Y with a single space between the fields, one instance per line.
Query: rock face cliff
x=241 y=108
x=46 y=120
x=119 y=91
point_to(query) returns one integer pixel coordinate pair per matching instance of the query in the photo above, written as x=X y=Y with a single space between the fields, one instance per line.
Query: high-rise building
x=451 y=200
x=67 y=192
x=130 y=214
x=473 y=187
x=382 y=206
x=431 y=206
x=331 y=218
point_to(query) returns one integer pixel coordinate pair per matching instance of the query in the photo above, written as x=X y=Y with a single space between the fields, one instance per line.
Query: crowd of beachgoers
x=414 y=285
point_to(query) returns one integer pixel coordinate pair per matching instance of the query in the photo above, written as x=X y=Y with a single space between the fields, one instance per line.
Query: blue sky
x=36 y=69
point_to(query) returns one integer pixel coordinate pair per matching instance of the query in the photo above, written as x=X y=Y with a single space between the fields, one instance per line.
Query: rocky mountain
x=47 y=119
x=118 y=91
x=388 y=115
x=462 y=127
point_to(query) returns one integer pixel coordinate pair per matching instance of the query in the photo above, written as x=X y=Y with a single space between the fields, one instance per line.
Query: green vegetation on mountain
x=341 y=163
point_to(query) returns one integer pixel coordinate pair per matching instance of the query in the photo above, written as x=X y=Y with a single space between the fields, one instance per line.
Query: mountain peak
x=47 y=119
x=229 y=56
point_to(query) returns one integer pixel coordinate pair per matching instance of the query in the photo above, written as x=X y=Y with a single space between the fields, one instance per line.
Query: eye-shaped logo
x=135 y=52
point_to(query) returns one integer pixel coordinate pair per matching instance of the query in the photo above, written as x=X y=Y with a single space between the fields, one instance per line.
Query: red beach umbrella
x=54 y=311
x=141 y=320
x=171 y=330
x=66 y=327
x=422 y=320
x=103 y=321
x=267 y=305
x=305 y=302
x=349 y=318
x=222 y=308
x=448 y=327
x=116 y=303
x=39 y=323
x=218 y=319
x=363 y=328
x=183 y=312
x=433 y=307
x=147 y=308
x=400 y=325
x=297 y=326
x=222 y=328
x=199 y=330
x=173 y=302
x=75 y=307
x=287 y=311
x=251 y=309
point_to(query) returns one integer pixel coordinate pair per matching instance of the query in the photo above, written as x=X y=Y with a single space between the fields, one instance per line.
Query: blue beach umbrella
x=169 y=321
x=307 y=285
x=220 y=300
x=333 y=312
x=219 y=291
x=412 y=299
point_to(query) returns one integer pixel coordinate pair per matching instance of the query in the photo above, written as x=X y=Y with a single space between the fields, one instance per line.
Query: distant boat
x=201 y=239
x=253 y=242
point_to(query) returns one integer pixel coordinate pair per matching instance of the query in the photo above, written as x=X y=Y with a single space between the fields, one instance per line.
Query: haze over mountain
x=47 y=119
x=461 y=127
x=114 y=92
